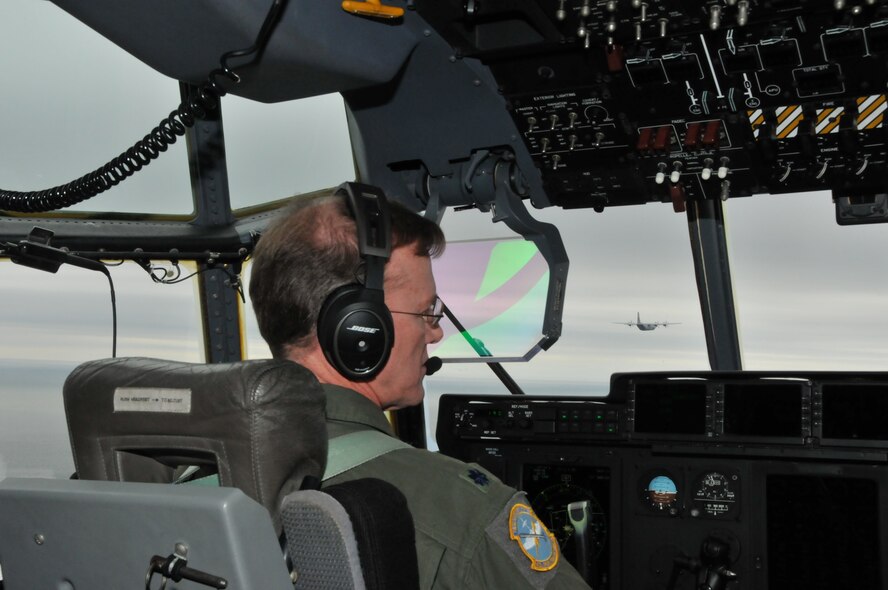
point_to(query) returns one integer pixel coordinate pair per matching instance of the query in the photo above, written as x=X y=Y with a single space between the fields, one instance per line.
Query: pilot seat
x=197 y=476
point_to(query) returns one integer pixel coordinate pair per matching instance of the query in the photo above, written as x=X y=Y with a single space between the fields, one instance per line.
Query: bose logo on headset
x=364 y=329
x=355 y=327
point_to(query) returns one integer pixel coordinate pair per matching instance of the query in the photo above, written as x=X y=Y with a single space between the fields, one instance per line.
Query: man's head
x=310 y=252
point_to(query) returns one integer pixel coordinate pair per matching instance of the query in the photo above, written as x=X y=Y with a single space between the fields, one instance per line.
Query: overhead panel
x=623 y=102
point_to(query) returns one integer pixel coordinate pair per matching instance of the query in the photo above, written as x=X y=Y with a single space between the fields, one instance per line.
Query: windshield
x=52 y=323
x=110 y=100
x=809 y=292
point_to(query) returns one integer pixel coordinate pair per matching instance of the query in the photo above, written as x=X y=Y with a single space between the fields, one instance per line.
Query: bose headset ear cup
x=355 y=331
x=355 y=328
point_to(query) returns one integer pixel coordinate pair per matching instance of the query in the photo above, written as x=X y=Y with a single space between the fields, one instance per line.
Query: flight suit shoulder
x=519 y=552
x=451 y=501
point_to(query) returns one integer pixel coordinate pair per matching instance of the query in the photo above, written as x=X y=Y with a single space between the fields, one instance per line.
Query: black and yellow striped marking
x=756 y=118
x=828 y=120
x=871 y=111
x=788 y=119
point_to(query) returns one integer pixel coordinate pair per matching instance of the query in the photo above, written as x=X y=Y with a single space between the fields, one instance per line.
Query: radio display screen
x=674 y=407
x=764 y=409
x=856 y=412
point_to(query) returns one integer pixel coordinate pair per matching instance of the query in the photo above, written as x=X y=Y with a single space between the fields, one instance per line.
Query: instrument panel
x=746 y=480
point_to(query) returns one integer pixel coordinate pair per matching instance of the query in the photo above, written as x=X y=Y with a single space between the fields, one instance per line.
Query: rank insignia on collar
x=477 y=477
x=534 y=539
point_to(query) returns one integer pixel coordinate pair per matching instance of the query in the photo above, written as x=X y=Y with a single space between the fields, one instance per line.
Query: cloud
x=67 y=316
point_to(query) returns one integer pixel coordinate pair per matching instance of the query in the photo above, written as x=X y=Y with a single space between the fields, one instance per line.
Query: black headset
x=355 y=327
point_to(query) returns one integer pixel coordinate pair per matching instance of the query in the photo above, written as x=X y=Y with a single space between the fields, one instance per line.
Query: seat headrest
x=258 y=424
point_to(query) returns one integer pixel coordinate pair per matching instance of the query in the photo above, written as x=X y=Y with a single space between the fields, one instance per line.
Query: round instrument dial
x=715 y=494
x=660 y=493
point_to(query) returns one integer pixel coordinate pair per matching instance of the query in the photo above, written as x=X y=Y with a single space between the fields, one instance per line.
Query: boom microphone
x=432 y=365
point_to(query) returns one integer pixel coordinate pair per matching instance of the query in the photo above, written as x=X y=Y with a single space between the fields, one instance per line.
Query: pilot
x=472 y=531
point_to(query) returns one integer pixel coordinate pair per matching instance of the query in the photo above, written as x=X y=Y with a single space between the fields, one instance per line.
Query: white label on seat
x=152 y=399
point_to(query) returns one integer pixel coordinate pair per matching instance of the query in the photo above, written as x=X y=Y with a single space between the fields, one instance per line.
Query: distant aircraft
x=646 y=326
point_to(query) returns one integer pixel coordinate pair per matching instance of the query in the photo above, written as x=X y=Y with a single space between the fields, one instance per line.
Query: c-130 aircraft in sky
x=646 y=326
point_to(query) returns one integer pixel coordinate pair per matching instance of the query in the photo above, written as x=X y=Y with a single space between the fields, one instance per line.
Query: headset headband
x=369 y=208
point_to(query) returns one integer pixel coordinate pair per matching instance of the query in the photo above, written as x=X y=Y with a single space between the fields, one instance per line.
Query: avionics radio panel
x=810 y=410
x=532 y=419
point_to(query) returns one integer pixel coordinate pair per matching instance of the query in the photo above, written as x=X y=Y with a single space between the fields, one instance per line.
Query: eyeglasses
x=432 y=315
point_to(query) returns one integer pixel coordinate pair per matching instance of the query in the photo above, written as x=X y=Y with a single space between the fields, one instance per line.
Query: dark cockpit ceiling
x=569 y=102
x=598 y=103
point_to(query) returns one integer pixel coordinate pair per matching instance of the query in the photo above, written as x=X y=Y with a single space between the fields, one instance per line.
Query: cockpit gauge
x=551 y=506
x=660 y=493
x=716 y=494
x=596 y=114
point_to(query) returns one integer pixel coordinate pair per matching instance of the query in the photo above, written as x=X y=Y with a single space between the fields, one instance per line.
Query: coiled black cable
x=147 y=149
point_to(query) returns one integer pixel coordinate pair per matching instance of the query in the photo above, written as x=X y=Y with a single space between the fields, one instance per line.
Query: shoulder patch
x=534 y=539
x=476 y=477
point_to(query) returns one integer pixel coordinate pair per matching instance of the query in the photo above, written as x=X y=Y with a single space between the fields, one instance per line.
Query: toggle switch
x=660 y=177
x=742 y=13
x=706 y=173
x=725 y=190
x=715 y=13
x=675 y=176
x=723 y=169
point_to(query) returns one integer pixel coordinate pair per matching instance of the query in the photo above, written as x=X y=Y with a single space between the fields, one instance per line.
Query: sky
x=809 y=294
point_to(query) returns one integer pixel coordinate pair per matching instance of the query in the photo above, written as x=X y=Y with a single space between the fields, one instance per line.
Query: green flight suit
x=461 y=512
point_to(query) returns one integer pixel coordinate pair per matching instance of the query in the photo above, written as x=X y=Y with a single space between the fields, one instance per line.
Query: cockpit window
x=254 y=346
x=69 y=111
x=810 y=293
x=274 y=151
x=52 y=323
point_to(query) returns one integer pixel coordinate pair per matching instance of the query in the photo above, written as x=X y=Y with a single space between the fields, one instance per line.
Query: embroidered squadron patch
x=534 y=539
